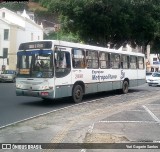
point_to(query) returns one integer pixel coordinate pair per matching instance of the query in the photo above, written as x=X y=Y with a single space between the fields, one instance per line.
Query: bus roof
x=80 y=45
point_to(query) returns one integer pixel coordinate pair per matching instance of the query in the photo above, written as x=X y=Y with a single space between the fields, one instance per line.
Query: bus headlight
x=44 y=87
x=50 y=87
x=18 y=86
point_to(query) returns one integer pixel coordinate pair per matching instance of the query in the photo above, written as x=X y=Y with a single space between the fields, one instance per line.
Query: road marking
x=83 y=150
x=151 y=114
x=134 y=110
x=153 y=104
x=127 y=122
x=91 y=128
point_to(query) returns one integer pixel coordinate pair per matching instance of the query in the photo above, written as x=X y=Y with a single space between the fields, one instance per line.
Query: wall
x=30 y=28
x=20 y=31
x=154 y=65
x=13 y=49
x=3 y=43
x=12 y=17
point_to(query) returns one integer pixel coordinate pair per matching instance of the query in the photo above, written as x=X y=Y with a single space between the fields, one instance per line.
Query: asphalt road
x=102 y=118
x=13 y=108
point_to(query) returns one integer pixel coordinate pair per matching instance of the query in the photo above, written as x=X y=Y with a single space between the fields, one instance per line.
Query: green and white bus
x=52 y=69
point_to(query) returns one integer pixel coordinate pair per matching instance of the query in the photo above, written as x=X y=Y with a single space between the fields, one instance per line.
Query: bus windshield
x=35 y=64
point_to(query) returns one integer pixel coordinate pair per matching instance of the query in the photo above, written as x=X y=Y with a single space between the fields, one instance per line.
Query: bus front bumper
x=32 y=93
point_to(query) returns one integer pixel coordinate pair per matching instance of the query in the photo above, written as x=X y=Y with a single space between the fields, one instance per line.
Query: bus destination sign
x=36 y=45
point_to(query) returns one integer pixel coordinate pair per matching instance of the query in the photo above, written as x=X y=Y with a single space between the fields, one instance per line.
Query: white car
x=148 y=75
x=154 y=79
x=8 y=75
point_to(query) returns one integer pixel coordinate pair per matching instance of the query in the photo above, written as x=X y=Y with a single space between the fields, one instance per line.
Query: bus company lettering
x=122 y=74
x=102 y=76
x=77 y=76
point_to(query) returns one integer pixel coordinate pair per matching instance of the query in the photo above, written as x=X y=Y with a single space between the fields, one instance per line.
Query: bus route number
x=35 y=46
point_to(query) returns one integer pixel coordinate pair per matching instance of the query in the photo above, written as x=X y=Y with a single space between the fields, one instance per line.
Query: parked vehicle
x=154 y=79
x=8 y=75
x=148 y=75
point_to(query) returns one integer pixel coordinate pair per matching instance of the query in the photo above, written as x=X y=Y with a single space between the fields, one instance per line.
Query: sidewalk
x=130 y=122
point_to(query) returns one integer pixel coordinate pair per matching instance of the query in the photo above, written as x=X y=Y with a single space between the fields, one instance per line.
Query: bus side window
x=78 y=58
x=124 y=61
x=104 y=60
x=133 y=62
x=140 y=62
x=68 y=60
x=115 y=61
x=92 y=59
x=62 y=63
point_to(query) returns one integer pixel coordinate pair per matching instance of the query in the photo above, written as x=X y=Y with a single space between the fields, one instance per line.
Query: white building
x=153 y=63
x=15 y=29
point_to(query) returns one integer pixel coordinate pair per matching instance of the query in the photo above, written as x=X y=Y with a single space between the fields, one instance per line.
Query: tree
x=100 y=22
x=14 y=6
x=60 y=35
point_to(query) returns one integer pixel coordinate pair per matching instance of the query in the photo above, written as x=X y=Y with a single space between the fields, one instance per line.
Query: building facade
x=153 y=64
x=14 y=30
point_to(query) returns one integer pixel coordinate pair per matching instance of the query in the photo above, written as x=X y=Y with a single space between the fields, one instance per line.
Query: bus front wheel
x=77 y=94
x=125 y=87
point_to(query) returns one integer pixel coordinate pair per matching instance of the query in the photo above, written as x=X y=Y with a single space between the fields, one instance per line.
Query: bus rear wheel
x=125 y=87
x=77 y=94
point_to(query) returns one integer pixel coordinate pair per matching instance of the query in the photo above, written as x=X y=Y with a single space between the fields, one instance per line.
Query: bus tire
x=77 y=93
x=125 y=87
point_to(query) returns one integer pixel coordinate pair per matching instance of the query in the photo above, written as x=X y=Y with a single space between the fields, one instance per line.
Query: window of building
x=3 y=14
x=6 y=34
x=7 y=61
x=124 y=61
x=152 y=69
x=5 y=52
x=115 y=61
x=78 y=58
x=92 y=59
x=133 y=62
x=140 y=62
x=154 y=59
x=104 y=60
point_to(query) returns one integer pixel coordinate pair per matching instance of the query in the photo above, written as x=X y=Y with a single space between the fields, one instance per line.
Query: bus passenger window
x=140 y=62
x=115 y=61
x=133 y=62
x=78 y=58
x=124 y=62
x=62 y=63
x=92 y=59
x=104 y=60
